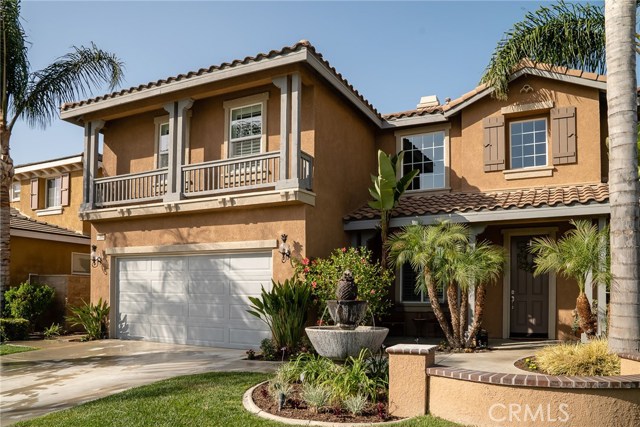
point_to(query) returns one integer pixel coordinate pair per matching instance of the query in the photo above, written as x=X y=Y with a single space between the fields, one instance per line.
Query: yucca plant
x=356 y=404
x=581 y=251
x=284 y=309
x=93 y=318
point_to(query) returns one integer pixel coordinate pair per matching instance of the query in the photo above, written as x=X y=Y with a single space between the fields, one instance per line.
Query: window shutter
x=494 y=144
x=64 y=190
x=563 y=135
x=34 y=193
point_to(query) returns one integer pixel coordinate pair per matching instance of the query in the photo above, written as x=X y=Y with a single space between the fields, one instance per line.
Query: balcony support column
x=177 y=136
x=296 y=95
x=283 y=84
x=90 y=162
x=290 y=151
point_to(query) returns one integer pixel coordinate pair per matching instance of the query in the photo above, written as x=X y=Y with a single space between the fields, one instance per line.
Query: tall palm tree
x=35 y=97
x=574 y=36
x=443 y=259
x=580 y=252
x=624 y=187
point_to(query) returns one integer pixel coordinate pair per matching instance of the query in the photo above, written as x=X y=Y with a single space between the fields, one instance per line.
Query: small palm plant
x=580 y=252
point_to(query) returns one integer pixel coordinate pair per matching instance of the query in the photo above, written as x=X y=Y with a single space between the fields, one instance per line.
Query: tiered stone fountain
x=347 y=337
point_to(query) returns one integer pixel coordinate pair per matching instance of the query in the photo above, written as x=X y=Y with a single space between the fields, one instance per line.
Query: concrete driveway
x=63 y=374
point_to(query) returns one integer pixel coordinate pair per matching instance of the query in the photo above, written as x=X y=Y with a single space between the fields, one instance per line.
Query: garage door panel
x=247 y=337
x=139 y=286
x=206 y=334
x=134 y=264
x=213 y=312
x=168 y=333
x=135 y=307
x=169 y=264
x=169 y=309
x=252 y=288
x=168 y=286
x=248 y=262
x=134 y=297
x=202 y=287
x=204 y=263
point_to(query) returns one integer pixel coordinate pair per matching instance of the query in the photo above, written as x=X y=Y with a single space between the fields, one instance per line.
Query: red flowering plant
x=322 y=274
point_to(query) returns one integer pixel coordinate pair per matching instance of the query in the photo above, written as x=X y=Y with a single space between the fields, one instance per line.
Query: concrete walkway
x=63 y=374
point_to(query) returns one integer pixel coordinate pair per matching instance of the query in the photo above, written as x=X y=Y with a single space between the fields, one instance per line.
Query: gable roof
x=457 y=202
x=302 y=51
x=28 y=226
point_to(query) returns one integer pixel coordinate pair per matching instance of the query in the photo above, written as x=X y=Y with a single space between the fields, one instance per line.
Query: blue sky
x=392 y=52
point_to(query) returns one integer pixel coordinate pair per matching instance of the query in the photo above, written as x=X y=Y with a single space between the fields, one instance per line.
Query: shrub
x=316 y=396
x=55 y=330
x=284 y=309
x=93 y=318
x=355 y=404
x=268 y=349
x=322 y=275
x=28 y=301
x=314 y=369
x=353 y=378
x=13 y=329
x=588 y=359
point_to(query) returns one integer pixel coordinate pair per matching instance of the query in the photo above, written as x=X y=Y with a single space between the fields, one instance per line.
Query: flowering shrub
x=322 y=274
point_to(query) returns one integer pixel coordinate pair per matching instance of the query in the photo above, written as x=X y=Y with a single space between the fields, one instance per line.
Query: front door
x=529 y=295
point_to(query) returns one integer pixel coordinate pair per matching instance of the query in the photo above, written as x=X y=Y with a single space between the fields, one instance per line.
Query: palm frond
x=71 y=77
x=14 y=72
x=568 y=35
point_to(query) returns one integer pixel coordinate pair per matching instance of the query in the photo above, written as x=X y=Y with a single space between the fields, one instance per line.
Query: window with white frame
x=80 y=263
x=426 y=153
x=246 y=130
x=163 y=145
x=408 y=287
x=528 y=143
x=54 y=192
x=15 y=191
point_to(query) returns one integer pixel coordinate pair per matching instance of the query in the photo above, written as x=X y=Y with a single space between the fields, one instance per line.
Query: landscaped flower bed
x=312 y=387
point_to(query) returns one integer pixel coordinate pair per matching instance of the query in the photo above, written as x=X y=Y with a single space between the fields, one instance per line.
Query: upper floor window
x=163 y=145
x=425 y=152
x=528 y=143
x=53 y=192
x=408 y=287
x=15 y=191
x=245 y=127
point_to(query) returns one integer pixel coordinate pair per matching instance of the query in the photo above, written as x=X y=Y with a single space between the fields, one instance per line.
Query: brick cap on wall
x=412 y=349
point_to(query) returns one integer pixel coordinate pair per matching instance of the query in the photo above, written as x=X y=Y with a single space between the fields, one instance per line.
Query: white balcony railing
x=202 y=179
x=130 y=188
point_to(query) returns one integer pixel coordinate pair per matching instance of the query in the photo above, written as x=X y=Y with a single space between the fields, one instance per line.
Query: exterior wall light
x=96 y=259
x=284 y=249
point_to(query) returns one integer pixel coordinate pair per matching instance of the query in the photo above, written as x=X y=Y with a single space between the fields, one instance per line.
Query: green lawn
x=12 y=349
x=213 y=399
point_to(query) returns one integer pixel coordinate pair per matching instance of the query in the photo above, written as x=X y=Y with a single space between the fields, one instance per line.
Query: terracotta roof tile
x=302 y=44
x=19 y=221
x=431 y=204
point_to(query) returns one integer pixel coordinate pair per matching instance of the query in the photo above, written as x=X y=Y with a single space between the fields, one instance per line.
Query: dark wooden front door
x=529 y=295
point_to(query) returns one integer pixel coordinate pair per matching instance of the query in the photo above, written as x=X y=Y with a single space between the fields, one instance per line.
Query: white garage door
x=194 y=299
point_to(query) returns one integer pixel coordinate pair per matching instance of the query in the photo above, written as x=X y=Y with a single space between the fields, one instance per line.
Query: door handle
x=513 y=299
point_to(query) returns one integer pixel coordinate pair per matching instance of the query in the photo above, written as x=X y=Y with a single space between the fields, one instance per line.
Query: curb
x=249 y=405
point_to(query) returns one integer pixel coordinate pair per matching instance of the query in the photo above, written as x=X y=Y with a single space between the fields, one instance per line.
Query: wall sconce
x=284 y=249
x=95 y=258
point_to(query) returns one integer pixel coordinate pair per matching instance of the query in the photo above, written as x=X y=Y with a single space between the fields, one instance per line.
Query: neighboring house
x=49 y=242
x=205 y=171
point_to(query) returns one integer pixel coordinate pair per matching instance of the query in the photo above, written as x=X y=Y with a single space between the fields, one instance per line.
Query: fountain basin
x=338 y=344
x=347 y=314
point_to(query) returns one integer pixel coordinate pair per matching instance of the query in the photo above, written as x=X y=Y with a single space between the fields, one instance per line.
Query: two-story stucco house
x=203 y=172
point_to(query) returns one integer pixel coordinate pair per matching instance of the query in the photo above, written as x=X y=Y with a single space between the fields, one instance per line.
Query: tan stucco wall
x=40 y=257
x=235 y=225
x=473 y=403
x=408 y=397
x=69 y=217
x=629 y=367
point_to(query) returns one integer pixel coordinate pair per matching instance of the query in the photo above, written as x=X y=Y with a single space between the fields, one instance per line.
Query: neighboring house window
x=408 y=287
x=80 y=263
x=53 y=192
x=425 y=152
x=245 y=125
x=15 y=191
x=528 y=143
x=163 y=145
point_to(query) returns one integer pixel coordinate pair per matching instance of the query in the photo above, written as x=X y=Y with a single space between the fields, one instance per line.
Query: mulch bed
x=296 y=408
x=521 y=364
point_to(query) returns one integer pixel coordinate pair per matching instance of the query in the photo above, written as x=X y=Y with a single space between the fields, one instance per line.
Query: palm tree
x=443 y=258
x=581 y=252
x=35 y=97
x=624 y=187
x=574 y=36
x=386 y=191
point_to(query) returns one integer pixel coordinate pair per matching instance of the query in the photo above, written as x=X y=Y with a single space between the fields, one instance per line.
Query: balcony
x=258 y=172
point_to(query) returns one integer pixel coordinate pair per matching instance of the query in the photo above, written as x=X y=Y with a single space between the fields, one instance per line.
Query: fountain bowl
x=347 y=314
x=338 y=344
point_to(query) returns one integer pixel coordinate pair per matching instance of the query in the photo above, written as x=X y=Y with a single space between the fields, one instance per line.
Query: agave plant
x=93 y=318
